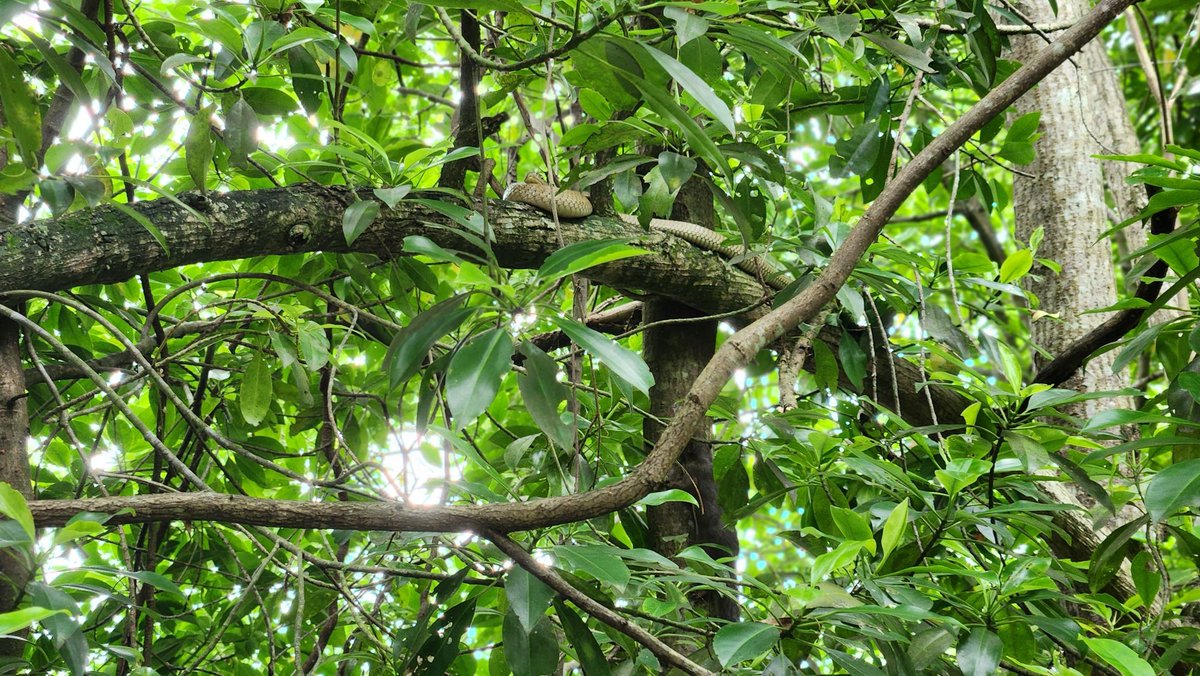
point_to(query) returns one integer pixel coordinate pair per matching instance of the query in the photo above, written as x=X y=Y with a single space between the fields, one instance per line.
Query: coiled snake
x=574 y=204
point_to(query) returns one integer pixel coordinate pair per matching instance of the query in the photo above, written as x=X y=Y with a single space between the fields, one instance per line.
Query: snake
x=568 y=203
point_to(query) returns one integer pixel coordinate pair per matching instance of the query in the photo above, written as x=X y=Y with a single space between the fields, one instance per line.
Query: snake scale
x=574 y=204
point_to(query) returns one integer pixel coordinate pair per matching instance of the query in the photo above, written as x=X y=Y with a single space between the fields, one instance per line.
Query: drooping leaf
x=414 y=341
x=256 y=394
x=357 y=218
x=20 y=110
x=542 y=393
x=474 y=375
x=626 y=365
x=587 y=650
x=528 y=597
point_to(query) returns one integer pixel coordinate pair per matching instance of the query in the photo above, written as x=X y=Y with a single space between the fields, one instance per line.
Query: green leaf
x=735 y=643
x=241 y=127
x=675 y=169
x=21 y=114
x=474 y=375
x=13 y=506
x=256 y=394
x=830 y=562
x=853 y=359
x=392 y=196
x=906 y=53
x=580 y=256
x=307 y=80
x=1173 y=489
x=15 y=621
x=413 y=342
x=78 y=528
x=542 y=393
x=529 y=653
x=1016 y=265
x=894 y=527
x=979 y=654
x=587 y=650
x=269 y=101
x=528 y=597
x=1120 y=656
x=440 y=650
x=598 y=561
x=626 y=365
x=145 y=222
x=314 y=344
x=840 y=27
x=672 y=495
x=698 y=88
x=199 y=148
x=357 y=218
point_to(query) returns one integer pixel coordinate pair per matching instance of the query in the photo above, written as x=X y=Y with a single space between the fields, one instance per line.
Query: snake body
x=574 y=204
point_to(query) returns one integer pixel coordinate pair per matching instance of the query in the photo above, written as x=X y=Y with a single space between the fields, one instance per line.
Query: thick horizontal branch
x=107 y=244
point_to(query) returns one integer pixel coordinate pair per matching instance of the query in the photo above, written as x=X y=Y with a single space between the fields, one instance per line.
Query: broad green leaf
x=314 y=344
x=13 y=506
x=979 y=653
x=893 y=527
x=542 y=393
x=741 y=641
x=626 y=365
x=699 y=89
x=392 y=196
x=307 y=79
x=528 y=597
x=257 y=391
x=928 y=646
x=474 y=375
x=198 y=147
x=442 y=647
x=906 y=53
x=1016 y=265
x=960 y=473
x=675 y=169
x=580 y=256
x=157 y=580
x=531 y=652
x=587 y=651
x=831 y=562
x=357 y=218
x=1120 y=656
x=21 y=114
x=15 y=621
x=241 y=128
x=599 y=561
x=840 y=27
x=413 y=342
x=1173 y=489
x=78 y=529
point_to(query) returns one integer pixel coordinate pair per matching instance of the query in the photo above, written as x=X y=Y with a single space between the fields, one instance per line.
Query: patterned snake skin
x=574 y=204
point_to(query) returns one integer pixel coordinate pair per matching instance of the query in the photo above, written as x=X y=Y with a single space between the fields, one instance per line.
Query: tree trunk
x=1080 y=107
x=676 y=353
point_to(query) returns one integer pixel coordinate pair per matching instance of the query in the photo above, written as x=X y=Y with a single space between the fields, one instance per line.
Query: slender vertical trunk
x=676 y=353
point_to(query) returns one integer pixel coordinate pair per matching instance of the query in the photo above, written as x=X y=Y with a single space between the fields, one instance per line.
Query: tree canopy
x=286 y=386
